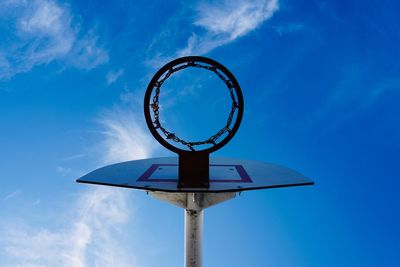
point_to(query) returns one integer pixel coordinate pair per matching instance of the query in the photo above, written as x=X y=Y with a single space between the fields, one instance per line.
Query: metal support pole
x=194 y=205
x=193 y=238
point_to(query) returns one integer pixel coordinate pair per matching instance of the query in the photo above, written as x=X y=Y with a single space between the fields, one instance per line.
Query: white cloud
x=113 y=76
x=13 y=195
x=226 y=21
x=125 y=135
x=91 y=236
x=74 y=157
x=86 y=53
x=207 y=26
x=94 y=229
x=38 y=32
x=234 y=18
x=63 y=171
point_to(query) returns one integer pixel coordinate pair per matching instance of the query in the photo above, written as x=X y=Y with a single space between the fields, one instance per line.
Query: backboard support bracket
x=194 y=170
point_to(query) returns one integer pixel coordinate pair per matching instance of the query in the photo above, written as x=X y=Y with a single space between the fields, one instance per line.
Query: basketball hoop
x=193 y=180
x=193 y=164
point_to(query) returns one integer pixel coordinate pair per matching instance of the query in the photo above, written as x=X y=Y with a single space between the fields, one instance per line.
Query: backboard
x=226 y=175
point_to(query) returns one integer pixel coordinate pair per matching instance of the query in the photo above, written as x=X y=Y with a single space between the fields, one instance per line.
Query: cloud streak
x=90 y=237
x=13 y=195
x=113 y=76
x=207 y=26
x=125 y=137
x=224 y=22
x=95 y=225
x=39 y=32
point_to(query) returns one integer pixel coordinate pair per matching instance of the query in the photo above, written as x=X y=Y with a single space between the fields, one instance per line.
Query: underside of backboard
x=226 y=175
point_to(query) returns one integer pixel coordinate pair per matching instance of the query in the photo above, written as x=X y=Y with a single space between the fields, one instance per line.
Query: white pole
x=194 y=205
x=193 y=238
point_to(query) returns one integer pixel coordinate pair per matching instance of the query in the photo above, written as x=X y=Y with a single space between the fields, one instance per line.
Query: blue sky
x=321 y=86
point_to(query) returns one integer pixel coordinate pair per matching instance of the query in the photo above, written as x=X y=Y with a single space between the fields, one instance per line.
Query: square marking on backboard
x=218 y=173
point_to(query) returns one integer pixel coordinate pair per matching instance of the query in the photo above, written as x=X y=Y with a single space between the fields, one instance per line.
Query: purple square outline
x=244 y=177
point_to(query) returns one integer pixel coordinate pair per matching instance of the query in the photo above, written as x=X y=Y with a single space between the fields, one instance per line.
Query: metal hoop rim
x=178 y=61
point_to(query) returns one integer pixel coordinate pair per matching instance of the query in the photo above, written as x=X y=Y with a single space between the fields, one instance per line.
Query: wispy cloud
x=224 y=22
x=13 y=195
x=74 y=157
x=91 y=236
x=113 y=76
x=93 y=231
x=95 y=225
x=208 y=25
x=125 y=135
x=63 y=171
x=38 y=32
